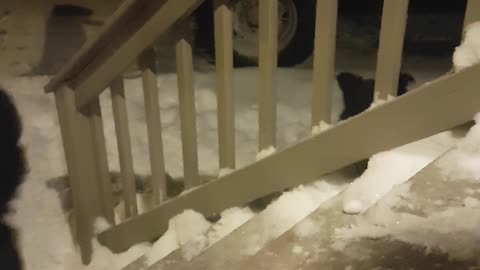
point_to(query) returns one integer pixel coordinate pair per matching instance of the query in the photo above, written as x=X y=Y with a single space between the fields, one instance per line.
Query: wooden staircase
x=437 y=106
x=329 y=246
x=423 y=112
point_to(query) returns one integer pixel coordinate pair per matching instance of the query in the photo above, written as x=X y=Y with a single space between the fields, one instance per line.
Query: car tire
x=297 y=48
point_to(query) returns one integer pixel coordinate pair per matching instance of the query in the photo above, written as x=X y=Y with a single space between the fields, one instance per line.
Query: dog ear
x=404 y=80
x=357 y=93
x=349 y=82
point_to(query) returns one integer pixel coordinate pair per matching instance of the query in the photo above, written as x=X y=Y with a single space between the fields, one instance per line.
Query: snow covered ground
x=44 y=235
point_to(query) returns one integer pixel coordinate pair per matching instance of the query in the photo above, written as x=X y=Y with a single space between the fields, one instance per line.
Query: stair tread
x=411 y=117
x=227 y=254
x=320 y=248
x=236 y=240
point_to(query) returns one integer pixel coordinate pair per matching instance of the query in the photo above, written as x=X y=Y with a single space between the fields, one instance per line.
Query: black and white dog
x=358 y=93
x=12 y=171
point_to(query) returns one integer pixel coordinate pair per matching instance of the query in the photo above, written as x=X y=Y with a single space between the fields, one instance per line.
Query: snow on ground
x=45 y=237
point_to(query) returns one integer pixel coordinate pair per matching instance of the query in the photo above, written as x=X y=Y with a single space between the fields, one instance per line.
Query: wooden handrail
x=86 y=54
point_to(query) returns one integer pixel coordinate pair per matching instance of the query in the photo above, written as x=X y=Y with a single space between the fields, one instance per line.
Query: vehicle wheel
x=296 y=31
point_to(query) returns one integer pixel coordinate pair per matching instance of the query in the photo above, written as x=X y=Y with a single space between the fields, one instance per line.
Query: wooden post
x=154 y=127
x=82 y=158
x=186 y=97
x=266 y=88
x=224 y=83
x=103 y=172
x=472 y=13
x=324 y=60
x=124 y=147
x=389 y=58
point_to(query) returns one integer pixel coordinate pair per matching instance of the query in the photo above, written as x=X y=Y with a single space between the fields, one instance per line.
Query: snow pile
x=144 y=204
x=468 y=53
x=322 y=126
x=265 y=153
x=292 y=207
x=390 y=168
x=463 y=162
x=100 y=225
x=192 y=233
x=224 y=171
x=187 y=227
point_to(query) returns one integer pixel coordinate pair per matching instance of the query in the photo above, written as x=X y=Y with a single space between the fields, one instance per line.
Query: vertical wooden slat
x=224 y=83
x=389 y=58
x=268 y=44
x=186 y=96
x=103 y=173
x=472 y=13
x=154 y=127
x=124 y=147
x=81 y=157
x=324 y=60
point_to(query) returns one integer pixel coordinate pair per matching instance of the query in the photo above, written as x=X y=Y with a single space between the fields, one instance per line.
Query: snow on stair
x=429 y=222
x=386 y=170
x=277 y=218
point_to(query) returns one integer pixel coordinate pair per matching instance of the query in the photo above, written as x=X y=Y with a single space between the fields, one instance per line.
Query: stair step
x=230 y=251
x=426 y=194
x=237 y=240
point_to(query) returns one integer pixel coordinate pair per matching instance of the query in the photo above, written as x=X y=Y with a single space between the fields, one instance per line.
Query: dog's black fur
x=358 y=93
x=12 y=171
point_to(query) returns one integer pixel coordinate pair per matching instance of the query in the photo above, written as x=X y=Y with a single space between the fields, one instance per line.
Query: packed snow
x=292 y=207
x=468 y=53
x=464 y=160
x=224 y=171
x=322 y=126
x=192 y=233
x=266 y=153
x=186 y=228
